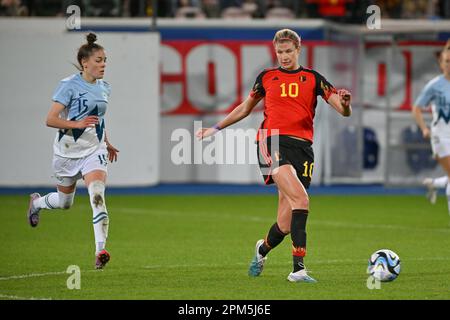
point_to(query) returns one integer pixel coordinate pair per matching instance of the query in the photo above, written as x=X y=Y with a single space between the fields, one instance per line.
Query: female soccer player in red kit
x=290 y=92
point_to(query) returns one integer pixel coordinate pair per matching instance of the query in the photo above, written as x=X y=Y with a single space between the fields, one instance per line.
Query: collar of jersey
x=85 y=82
x=290 y=71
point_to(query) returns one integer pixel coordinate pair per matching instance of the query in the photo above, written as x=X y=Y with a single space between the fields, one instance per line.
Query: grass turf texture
x=199 y=247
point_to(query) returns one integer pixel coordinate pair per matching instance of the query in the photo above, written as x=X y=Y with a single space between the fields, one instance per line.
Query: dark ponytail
x=87 y=49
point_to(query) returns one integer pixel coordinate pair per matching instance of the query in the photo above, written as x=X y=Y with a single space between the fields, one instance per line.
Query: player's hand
x=345 y=97
x=89 y=121
x=205 y=132
x=426 y=133
x=112 y=152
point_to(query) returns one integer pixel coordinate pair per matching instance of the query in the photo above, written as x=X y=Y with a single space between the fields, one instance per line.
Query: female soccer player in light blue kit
x=81 y=148
x=437 y=93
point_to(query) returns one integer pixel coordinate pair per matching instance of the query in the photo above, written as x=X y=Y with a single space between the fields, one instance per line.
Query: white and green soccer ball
x=384 y=265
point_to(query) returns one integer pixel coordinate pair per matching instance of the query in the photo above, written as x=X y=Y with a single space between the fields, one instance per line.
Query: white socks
x=96 y=189
x=55 y=200
x=100 y=214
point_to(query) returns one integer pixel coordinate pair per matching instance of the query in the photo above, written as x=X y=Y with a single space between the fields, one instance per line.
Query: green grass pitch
x=199 y=247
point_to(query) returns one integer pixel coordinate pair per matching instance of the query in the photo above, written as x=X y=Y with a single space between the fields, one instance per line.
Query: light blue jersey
x=437 y=92
x=81 y=99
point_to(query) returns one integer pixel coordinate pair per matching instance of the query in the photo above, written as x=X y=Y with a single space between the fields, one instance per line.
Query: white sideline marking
x=337 y=224
x=171 y=213
x=201 y=265
x=35 y=275
x=32 y=275
x=377 y=226
x=5 y=296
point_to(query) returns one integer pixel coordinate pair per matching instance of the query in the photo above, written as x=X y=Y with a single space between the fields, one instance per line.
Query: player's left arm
x=341 y=102
x=112 y=151
x=339 y=99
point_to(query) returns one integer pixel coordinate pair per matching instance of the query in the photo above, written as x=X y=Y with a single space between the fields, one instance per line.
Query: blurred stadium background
x=195 y=61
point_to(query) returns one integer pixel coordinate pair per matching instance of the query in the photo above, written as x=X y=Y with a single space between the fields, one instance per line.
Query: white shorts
x=440 y=146
x=68 y=170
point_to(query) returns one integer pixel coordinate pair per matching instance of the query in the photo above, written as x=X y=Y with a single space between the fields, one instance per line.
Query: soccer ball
x=384 y=265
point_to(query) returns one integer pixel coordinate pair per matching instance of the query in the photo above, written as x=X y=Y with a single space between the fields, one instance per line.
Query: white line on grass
x=337 y=224
x=198 y=214
x=5 y=296
x=35 y=275
x=32 y=275
x=376 y=226
x=211 y=265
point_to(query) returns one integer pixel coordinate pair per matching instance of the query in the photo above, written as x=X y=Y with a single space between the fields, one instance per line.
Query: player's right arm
x=424 y=99
x=418 y=116
x=238 y=113
x=54 y=120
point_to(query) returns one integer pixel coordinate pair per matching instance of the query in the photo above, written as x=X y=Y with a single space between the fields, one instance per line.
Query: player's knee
x=66 y=200
x=305 y=203
x=300 y=202
x=97 y=193
x=66 y=205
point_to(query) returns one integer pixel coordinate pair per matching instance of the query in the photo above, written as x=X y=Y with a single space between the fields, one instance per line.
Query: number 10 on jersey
x=292 y=90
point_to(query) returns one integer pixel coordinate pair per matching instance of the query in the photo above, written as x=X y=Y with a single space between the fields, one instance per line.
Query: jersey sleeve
x=63 y=94
x=425 y=96
x=323 y=87
x=258 y=88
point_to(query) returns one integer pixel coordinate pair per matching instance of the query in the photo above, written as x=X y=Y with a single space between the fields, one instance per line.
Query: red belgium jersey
x=290 y=100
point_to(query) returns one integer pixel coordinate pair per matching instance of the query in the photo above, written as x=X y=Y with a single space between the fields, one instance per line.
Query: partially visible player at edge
x=437 y=94
x=290 y=92
x=81 y=148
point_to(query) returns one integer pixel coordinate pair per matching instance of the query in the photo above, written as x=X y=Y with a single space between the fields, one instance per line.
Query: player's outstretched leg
x=257 y=264
x=33 y=211
x=274 y=237
x=51 y=201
